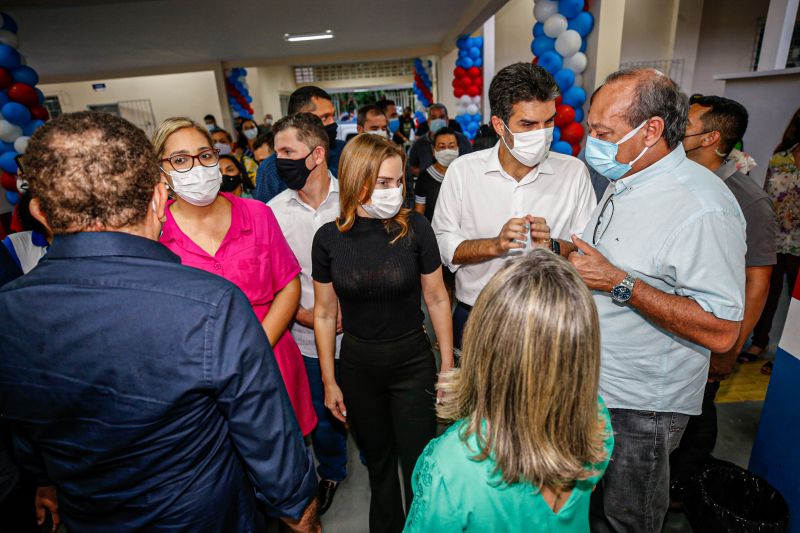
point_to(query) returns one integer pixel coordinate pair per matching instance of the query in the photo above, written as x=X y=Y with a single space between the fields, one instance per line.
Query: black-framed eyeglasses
x=603 y=222
x=20 y=166
x=185 y=162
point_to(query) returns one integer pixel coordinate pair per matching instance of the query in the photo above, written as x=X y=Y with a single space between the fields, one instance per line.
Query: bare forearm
x=476 y=251
x=419 y=208
x=325 y=336
x=684 y=317
x=442 y=320
x=756 y=290
x=282 y=310
x=566 y=247
x=309 y=522
x=305 y=317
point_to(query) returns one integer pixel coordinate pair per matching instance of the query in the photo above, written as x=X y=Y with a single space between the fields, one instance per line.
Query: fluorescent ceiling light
x=297 y=37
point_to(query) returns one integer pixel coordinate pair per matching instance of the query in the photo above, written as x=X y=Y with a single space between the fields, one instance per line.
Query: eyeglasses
x=603 y=222
x=185 y=162
x=20 y=170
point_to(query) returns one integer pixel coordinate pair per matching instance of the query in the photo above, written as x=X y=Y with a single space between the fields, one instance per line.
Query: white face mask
x=251 y=134
x=386 y=203
x=199 y=186
x=224 y=149
x=530 y=147
x=445 y=157
x=379 y=133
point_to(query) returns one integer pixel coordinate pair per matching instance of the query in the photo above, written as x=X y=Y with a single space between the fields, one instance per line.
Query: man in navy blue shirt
x=308 y=99
x=144 y=391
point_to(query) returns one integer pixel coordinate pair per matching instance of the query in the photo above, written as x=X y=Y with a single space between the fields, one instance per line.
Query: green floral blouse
x=783 y=186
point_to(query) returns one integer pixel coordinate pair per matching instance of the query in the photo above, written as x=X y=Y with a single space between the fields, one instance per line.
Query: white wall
x=191 y=94
x=267 y=84
x=727 y=36
x=648 y=30
x=513 y=36
x=687 y=38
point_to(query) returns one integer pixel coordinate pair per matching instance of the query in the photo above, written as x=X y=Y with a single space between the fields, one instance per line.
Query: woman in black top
x=426 y=192
x=380 y=260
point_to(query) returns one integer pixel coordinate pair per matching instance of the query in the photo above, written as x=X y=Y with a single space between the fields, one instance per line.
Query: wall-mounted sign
x=99 y=86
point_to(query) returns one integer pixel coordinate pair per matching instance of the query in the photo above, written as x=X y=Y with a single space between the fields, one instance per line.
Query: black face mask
x=294 y=172
x=331 y=129
x=230 y=183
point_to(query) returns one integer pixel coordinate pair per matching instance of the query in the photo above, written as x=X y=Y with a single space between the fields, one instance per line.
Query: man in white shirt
x=501 y=202
x=311 y=200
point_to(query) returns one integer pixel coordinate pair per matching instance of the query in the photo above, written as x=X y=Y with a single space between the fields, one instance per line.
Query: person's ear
x=711 y=138
x=360 y=129
x=159 y=201
x=497 y=124
x=364 y=196
x=36 y=212
x=654 y=129
x=318 y=155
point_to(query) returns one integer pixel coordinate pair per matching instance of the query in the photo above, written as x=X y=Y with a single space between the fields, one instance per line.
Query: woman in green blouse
x=530 y=437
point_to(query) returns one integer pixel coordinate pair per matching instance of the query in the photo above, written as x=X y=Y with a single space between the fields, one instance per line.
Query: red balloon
x=40 y=112
x=8 y=181
x=564 y=115
x=474 y=72
x=572 y=133
x=459 y=72
x=473 y=90
x=535 y=61
x=576 y=149
x=5 y=78
x=24 y=94
x=559 y=99
x=458 y=92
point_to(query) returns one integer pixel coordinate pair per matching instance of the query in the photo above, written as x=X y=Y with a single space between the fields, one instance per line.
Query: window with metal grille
x=53 y=106
x=793 y=60
x=671 y=67
x=350 y=71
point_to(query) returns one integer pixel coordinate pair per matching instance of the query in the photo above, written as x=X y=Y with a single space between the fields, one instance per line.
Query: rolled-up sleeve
x=705 y=259
x=447 y=217
x=251 y=395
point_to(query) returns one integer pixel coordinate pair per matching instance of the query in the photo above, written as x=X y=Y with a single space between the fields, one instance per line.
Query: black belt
x=465 y=307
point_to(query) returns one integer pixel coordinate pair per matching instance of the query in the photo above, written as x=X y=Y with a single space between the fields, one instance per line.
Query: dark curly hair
x=91 y=171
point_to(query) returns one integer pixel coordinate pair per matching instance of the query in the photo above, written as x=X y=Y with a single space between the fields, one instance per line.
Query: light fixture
x=297 y=37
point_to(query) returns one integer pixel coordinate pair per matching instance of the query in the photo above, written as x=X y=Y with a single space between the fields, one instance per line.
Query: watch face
x=621 y=293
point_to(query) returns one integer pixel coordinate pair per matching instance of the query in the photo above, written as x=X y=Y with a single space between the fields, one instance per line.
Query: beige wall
x=191 y=94
x=266 y=85
x=513 y=36
x=648 y=30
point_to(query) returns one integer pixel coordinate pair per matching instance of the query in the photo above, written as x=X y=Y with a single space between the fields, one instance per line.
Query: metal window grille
x=793 y=60
x=53 y=106
x=671 y=67
x=349 y=71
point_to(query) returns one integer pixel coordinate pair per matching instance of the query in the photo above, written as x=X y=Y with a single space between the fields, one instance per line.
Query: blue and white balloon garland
x=559 y=43
x=238 y=94
x=21 y=106
x=468 y=83
x=422 y=87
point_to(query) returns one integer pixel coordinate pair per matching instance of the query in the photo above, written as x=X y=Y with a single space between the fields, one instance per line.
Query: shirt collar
x=333 y=188
x=493 y=165
x=108 y=244
x=662 y=166
x=727 y=170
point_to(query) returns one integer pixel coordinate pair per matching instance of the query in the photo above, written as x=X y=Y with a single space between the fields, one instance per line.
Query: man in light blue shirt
x=664 y=254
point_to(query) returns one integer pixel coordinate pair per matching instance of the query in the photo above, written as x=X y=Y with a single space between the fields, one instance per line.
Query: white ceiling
x=76 y=39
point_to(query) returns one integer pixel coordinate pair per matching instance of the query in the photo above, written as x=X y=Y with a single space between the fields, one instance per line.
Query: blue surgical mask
x=437 y=124
x=602 y=155
x=394 y=125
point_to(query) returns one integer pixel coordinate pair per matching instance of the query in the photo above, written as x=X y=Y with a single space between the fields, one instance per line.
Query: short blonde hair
x=359 y=165
x=170 y=126
x=529 y=371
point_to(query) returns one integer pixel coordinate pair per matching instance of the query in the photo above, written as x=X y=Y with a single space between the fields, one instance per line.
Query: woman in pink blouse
x=236 y=238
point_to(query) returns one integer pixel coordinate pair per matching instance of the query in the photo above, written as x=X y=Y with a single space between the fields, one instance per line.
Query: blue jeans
x=329 y=437
x=460 y=316
x=634 y=492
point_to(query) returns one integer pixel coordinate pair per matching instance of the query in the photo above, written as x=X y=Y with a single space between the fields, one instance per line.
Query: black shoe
x=327 y=490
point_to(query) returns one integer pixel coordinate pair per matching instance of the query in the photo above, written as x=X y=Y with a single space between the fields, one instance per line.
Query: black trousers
x=388 y=389
x=788 y=265
x=698 y=440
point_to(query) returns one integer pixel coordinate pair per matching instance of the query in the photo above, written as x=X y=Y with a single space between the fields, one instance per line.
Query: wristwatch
x=555 y=246
x=623 y=292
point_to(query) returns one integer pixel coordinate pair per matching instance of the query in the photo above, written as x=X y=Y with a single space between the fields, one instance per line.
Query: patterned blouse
x=783 y=187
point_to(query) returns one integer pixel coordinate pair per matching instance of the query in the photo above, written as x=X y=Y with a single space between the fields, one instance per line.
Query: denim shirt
x=676 y=226
x=146 y=392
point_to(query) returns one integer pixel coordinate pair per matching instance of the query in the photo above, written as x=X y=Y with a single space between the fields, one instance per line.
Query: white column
x=219 y=77
x=604 y=45
x=777 y=34
x=488 y=66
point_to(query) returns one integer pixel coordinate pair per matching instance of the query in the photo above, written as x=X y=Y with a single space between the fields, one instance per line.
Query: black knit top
x=378 y=283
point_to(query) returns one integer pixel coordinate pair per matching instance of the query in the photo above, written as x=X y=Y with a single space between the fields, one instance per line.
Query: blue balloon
x=9 y=57
x=8 y=162
x=474 y=52
x=472 y=127
x=570 y=8
x=12 y=197
x=582 y=23
x=556 y=134
x=565 y=78
x=461 y=41
x=430 y=64
x=467 y=62
x=478 y=62
x=16 y=113
x=25 y=74
x=32 y=126
x=578 y=114
x=541 y=45
x=562 y=147
x=39 y=93
x=583 y=45
x=4 y=99
x=551 y=61
x=8 y=23
x=479 y=41
x=6 y=147
x=574 y=96
x=538 y=30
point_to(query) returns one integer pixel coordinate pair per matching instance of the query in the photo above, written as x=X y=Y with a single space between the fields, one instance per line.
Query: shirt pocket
x=251 y=270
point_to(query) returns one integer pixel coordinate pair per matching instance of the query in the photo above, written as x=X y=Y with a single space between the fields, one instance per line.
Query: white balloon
x=472 y=109
x=21 y=144
x=578 y=80
x=465 y=99
x=461 y=108
x=6 y=37
x=555 y=25
x=568 y=43
x=9 y=132
x=476 y=100
x=544 y=9
x=576 y=62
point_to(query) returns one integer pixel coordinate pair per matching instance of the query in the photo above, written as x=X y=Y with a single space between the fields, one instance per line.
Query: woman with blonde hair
x=531 y=438
x=236 y=238
x=380 y=260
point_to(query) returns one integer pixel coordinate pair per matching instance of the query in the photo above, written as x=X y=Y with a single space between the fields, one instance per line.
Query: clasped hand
x=597 y=272
x=515 y=232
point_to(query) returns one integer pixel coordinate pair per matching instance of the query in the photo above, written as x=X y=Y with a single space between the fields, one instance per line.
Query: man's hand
x=47 y=500
x=721 y=366
x=305 y=317
x=309 y=522
x=594 y=268
x=513 y=231
x=540 y=232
